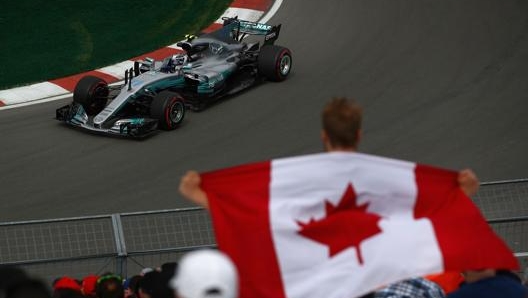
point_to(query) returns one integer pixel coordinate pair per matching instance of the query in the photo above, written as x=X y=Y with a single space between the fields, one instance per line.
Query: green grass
x=41 y=40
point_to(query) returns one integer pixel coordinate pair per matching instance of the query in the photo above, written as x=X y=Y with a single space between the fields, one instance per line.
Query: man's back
x=499 y=286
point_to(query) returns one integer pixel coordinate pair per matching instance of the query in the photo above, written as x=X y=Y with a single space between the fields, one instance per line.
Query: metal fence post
x=121 y=259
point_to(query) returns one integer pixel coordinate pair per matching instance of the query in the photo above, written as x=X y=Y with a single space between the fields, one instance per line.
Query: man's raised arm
x=190 y=188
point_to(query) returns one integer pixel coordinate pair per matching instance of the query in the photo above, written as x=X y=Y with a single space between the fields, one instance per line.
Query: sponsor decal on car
x=270 y=36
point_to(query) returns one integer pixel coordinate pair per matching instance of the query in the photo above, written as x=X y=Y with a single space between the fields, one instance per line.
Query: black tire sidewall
x=161 y=107
x=85 y=91
x=269 y=61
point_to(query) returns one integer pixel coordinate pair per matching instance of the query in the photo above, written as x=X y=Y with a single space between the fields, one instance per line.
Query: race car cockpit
x=173 y=63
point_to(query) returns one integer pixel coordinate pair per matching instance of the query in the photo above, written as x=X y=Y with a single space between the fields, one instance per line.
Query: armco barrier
x=126 y=243
x=121 y=243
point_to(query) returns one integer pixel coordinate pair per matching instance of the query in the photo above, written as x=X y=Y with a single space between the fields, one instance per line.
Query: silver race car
x=156 y=94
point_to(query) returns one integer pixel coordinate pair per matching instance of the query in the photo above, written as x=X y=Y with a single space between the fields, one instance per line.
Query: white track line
x=273 y=10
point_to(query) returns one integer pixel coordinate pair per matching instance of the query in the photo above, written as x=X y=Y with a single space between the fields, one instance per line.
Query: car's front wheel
x=274 y=62
x=169 y=109
x=92 y=93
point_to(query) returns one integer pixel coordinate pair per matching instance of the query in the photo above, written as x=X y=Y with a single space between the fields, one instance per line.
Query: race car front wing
x=74 y=115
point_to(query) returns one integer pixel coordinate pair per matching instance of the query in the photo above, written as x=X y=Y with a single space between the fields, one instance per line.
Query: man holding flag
x=341 y=223
x=341 y=121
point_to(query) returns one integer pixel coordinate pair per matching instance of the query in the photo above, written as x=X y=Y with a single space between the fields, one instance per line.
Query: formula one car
x=156 y=94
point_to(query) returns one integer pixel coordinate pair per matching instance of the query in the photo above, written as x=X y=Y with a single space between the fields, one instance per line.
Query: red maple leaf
x=345 y=225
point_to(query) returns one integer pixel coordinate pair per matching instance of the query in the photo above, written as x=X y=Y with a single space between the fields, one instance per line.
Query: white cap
x=146 y=270
x=206 y=273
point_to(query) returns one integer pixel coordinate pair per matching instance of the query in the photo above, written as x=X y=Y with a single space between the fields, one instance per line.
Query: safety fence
x=125 y=243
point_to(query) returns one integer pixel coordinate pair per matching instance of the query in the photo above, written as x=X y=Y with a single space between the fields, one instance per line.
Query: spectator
x=66 y=282
x=88 y=286
x=145 y=271
x=168 y=269
x=341 y=122
x=29 y=288
x=341 y=125
x=110 y=286
x=489 y=283
x=152 y=286
x=67 y=287
x=167 y=273
x=130 y=286
x=67 y=293
x=10 y=275
x=14 y=283
x=449 y=281
x=411 y=288
x=341 y=131
x=205 y=274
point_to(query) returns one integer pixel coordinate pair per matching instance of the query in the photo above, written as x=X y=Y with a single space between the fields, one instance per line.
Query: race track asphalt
x=441 y=82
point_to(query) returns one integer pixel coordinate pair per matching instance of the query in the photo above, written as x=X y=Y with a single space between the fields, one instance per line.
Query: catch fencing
x=127 y=242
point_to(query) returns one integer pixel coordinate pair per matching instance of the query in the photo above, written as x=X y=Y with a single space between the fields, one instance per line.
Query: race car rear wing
x=241 y=29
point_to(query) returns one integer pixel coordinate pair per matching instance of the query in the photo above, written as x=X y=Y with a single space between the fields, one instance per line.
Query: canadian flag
x=342 y=224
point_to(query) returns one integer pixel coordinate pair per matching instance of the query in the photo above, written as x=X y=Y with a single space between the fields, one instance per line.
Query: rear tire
x=274 y=62
x=169 y=109
x=92 y=93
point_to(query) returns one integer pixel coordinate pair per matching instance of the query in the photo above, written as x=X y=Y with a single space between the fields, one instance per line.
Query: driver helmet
x=179 y=59
x=216 y=48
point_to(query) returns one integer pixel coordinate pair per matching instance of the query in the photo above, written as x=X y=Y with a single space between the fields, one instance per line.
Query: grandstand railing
x=127 y=242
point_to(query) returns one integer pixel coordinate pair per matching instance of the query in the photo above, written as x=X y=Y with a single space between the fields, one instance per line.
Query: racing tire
x=169 y=109
x=274 y=62
x=92 y=93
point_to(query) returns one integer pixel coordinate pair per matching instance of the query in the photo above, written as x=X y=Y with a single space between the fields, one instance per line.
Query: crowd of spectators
x=202 y=273
x=211 y=274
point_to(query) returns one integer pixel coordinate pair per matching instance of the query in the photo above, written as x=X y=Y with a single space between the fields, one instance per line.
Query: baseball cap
x=206 y=273
x=88 y=284
x=146 y=270
x=67 y=282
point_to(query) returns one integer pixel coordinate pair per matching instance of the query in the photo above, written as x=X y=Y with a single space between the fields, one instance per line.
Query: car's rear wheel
x=274 y=62
x=92 y=93
x=169 y=109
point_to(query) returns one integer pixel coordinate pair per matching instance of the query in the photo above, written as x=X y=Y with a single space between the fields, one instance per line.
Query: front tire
x=92 y=93
x=274 y=62
x=169 y=109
